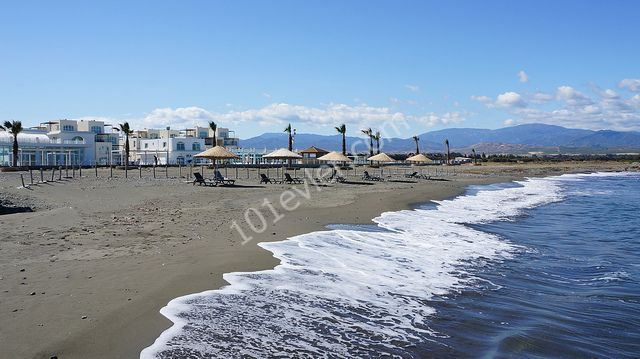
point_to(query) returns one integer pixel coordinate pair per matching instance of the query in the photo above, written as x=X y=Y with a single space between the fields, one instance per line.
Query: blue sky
x=254 y=66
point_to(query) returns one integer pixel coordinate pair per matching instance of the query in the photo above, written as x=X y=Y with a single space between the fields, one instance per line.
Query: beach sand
x=85 y=274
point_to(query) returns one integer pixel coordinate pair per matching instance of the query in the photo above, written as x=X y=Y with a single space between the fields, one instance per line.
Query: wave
x=350 y=292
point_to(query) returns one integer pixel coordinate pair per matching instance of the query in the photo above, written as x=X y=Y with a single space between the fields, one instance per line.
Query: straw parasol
x=334 y=157
x=216 y=153
x=381 y=157
x=282 y=154
x=420 y=158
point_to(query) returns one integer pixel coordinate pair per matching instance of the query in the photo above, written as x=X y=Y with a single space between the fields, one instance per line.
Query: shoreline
x=124 y=329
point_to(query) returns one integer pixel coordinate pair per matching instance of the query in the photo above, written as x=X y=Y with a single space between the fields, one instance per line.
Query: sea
x=539 y=268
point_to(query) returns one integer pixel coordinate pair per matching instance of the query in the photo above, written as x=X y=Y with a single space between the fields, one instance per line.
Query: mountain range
x=513 y=139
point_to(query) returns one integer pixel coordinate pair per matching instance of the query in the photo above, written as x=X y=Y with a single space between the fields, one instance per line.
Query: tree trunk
x=15 y=150
x=344 y=144
x=370 y=146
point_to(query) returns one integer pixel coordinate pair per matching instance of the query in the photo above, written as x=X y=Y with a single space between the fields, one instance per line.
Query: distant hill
x=515 y=139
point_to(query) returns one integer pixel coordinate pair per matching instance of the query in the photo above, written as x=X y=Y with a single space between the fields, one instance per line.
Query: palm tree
x=14 y=128
x=342 y=129
x=213 y=127
x=126 y=129
x=446 y=143
x=416 y=139
x=377 y=138
x=288 y=130
x=369 y=133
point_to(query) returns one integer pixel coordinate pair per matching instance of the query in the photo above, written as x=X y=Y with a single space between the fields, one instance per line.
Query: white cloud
x=482 y=99
x=604 y=109
x=510 y=99
x=412 y=88
x=541 y=97
x=631 y=84
x=523 y=77
x=282 y=113
x=572 y=97
x=509 y=122
x=267 y=95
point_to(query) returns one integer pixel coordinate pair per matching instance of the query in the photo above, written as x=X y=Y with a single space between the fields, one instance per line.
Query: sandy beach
x=85 y=274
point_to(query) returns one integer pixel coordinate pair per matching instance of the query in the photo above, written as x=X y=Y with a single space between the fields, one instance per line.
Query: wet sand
x=85 y=274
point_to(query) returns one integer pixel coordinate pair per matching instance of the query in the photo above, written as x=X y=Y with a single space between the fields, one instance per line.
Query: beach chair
x=200 y=180
x=367 y=177
x=335 y=177
x=290 y=180
x=412 y=175
x=219 y=178
x=265 y=179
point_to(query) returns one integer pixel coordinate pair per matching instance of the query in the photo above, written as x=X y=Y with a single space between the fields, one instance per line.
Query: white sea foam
x=345 y=293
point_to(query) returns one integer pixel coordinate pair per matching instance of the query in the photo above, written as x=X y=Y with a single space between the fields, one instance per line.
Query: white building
x=177 y=150
x=57 y=143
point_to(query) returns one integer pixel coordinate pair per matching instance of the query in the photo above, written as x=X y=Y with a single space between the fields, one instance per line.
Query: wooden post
x=73 y=171
x=80 y=170
x=110 y=171
x=31 y=174
x=53 y=173
x=60 y=173
x=166 y=169
x=140 y=170
x=154 y=171
x=236 y=172
x=96 y=167
x=247 y=172
x=41 y=175
x=190 y=172
x=66 y=170
x=180 y=170
x=22 y=180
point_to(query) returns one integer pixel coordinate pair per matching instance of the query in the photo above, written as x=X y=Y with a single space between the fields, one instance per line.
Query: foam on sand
x=349 y=292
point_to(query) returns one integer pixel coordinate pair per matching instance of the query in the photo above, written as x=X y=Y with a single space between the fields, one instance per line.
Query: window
x=203 y=134
x=68 y=128
x=195 y=147
x=164 y=144
x=180 y=146
x=96 y=129
x=146 y=145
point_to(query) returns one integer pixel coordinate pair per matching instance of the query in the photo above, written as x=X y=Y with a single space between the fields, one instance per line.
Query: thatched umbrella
x=216 y=153
x=381 y=157
x=282 y=154
x=334 y=157
x=420 y=158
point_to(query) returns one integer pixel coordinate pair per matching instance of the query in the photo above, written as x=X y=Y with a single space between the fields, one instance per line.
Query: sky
x=255 y=66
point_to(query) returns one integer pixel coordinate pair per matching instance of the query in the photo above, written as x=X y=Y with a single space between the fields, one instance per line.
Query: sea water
x=540 y=267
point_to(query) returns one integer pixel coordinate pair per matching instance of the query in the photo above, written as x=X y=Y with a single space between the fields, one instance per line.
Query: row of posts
x=446 y=171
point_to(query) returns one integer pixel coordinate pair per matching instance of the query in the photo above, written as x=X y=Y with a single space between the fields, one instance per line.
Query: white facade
x=178 y=150
x=60 y=143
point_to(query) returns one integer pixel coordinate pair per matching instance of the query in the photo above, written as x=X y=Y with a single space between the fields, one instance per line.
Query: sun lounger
x=200 y=180
x=219 y=178
x=265 y=179
x=288 y=179
x=367 y=177
x=335 y=177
